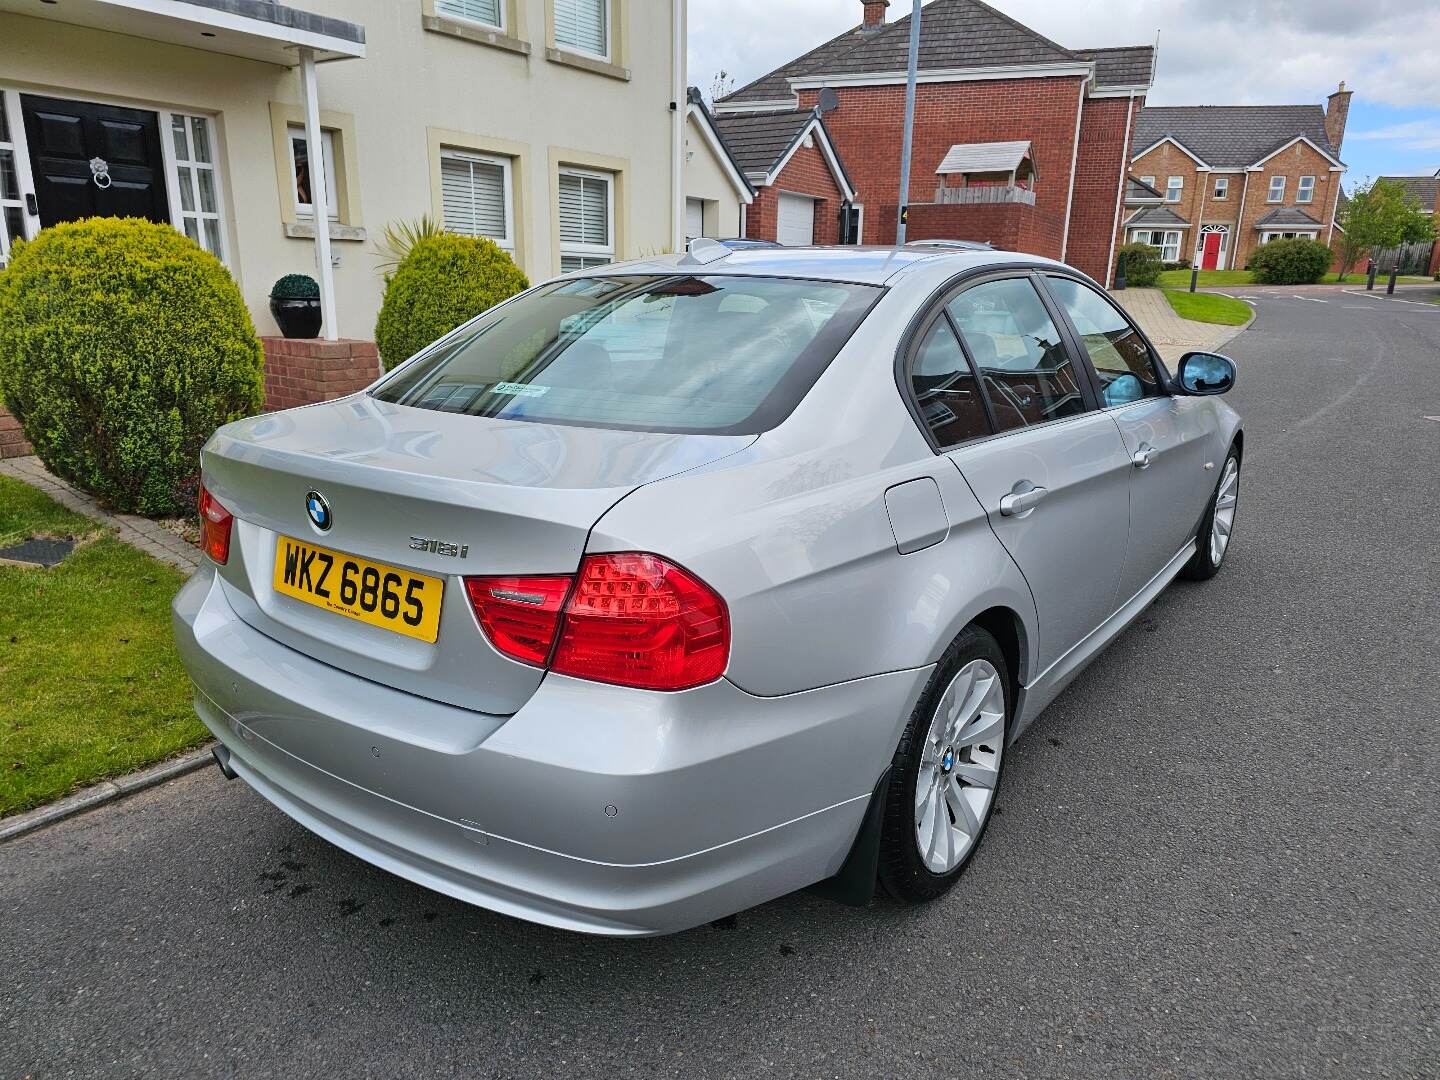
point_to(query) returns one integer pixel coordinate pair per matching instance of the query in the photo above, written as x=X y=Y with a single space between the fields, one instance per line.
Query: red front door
x=1210 y=251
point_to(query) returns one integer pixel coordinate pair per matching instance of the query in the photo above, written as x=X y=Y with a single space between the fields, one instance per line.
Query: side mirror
x=1203 y=374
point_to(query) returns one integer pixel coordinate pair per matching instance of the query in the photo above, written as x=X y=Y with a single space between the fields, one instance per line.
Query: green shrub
x=1290 y=262
x=444 y=281
x=295 y=287
x=123 y=346
x=1142 y=264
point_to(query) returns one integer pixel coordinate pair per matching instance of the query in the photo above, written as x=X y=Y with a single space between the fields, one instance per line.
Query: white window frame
x=507 y=188
x=332 y=198
x=1177 y=185
x=1222 y=188
x=1276 y=192
x=173 y=165
x=20 y=156
x=1169 y=245
x=590 y=252
x=607 y=6
x=1149 y=180
x=470 y=20
x=1305 y=193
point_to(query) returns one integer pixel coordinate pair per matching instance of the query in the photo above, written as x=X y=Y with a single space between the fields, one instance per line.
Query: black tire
x=903 y=872
x=1201 y=566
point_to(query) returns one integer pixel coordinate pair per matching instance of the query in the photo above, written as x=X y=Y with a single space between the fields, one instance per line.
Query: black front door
x=94 y=160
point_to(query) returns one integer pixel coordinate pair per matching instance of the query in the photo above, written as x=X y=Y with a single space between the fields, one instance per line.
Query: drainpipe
x=1233 y=256
x=1120 y=198
x=1200 y=222
x=678 y=108
x=1074 y=159
x=315 y=150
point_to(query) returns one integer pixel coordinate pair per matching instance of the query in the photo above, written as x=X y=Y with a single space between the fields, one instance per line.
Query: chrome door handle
x=1141 y=458
x=1022 y=500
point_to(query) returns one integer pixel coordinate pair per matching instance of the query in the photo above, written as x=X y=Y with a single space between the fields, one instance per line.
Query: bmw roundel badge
x=318 y=510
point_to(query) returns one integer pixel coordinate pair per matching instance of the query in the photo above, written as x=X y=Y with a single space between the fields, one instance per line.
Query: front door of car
x=1054 y=477
x=1168 y=438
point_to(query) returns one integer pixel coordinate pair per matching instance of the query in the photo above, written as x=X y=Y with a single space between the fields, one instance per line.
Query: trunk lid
x=518 y=497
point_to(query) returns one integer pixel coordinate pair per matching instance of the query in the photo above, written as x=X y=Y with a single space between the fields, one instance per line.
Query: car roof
x=859 y=265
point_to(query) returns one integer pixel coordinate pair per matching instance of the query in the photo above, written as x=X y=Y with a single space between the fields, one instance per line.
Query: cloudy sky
x=1221 y=52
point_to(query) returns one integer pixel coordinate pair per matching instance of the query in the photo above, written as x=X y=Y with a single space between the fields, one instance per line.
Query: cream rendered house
x=556 y=127
x=716 y=190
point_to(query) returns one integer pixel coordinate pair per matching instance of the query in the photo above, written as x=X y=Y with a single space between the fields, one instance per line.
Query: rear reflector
x=215 y=523
x=631 y=619
x=519 y=614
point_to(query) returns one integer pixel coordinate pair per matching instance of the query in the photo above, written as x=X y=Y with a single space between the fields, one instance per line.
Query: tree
x=1380 y=215
x=724 y=82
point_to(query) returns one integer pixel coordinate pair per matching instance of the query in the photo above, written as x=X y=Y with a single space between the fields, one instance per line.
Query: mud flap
x=854 y=883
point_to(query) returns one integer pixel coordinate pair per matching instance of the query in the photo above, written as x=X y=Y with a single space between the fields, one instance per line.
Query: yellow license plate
x=400 y=600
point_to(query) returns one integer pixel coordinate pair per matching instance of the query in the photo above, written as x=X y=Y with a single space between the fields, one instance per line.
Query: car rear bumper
x=594 y=808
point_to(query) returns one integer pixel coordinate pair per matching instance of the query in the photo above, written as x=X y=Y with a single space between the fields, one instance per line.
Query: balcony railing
x=987 y=195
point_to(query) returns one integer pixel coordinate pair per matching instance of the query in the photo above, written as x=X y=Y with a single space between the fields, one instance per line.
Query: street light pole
x=902 y=209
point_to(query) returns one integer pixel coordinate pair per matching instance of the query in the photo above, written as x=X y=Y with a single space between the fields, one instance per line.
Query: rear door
x=1054 y=478
x=1167 y=439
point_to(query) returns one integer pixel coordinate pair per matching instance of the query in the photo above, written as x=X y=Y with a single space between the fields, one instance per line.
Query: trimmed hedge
x=1142 y=264
x=123 y=346
x=444 y=281
x=1290 y=262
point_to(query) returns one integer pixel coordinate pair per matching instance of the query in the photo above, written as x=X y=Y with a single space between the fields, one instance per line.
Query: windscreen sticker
x=519 y=389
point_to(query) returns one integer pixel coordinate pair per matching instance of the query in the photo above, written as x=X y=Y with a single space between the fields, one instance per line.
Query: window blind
x=472 y=196
x=483 y=11
x=584 y=210
x=580 y=24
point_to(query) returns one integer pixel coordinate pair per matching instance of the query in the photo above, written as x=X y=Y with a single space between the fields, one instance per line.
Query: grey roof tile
x=1424 y=188
x=759 y=140
x=953 y=34
x=1231 y=136
x=1157 y=216
x=1291 y=216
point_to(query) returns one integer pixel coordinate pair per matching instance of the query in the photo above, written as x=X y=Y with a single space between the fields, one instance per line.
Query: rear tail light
x=215 y=523
x=629 y=619
x=520 y=614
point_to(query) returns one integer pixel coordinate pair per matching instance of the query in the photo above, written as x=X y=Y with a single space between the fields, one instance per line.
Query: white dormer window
x=1174 y=188
x=1305 y=190
x=1277 y=189
x=1222 y=187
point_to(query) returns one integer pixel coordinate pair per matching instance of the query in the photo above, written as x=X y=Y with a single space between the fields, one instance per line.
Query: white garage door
x=796 y=220
x=694 y=218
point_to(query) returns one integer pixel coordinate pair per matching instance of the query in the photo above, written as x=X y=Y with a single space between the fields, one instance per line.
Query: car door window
x=1118 y=353
x=944 y=388
x=1028 y=374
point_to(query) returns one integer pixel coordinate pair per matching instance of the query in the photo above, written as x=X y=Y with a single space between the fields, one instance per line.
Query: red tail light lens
x=631 y=619
x=215 y=523
x=520 y=614
x=638 y=620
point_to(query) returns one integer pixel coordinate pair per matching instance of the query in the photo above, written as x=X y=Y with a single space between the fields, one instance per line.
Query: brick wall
x=302 y=372
x=1099 y=176
x=12 y=439
x=866 y=127
x=806 y=173
x=1008 y=226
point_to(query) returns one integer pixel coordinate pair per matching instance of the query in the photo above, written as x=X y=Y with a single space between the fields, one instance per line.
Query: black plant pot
x=298 y=318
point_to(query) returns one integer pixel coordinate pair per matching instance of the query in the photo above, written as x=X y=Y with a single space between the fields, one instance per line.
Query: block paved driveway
x=1219 y=853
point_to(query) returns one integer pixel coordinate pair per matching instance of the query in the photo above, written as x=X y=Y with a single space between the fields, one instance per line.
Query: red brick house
x=1017 y=140
x=802 y=192
x=1214 y=182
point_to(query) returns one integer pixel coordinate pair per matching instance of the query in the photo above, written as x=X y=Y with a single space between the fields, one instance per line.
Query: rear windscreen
x=714 y=355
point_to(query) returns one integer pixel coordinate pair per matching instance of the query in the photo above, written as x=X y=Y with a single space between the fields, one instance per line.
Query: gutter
x=679 y=107
x=1125 y=164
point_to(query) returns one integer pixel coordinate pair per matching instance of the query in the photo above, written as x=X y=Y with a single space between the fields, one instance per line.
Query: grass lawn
x=1180 y=279
x=1209 y=307
x=91 y=684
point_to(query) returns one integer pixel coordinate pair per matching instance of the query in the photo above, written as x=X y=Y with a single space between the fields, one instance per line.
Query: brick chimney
x=1337 y=109
x=874 y=14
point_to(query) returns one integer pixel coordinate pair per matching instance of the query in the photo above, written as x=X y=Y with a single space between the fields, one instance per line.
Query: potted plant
x=295 y=303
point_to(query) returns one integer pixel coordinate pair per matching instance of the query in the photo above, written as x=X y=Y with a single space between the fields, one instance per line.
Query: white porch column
x=315 y=144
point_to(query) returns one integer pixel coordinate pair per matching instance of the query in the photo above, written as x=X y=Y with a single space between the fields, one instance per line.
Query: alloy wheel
x=1223 y=523
x=959 y=766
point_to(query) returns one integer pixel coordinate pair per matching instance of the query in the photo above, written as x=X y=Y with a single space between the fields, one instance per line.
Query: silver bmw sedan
x=667 y=588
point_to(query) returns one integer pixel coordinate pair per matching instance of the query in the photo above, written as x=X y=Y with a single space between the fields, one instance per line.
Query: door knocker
x=100 y=172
